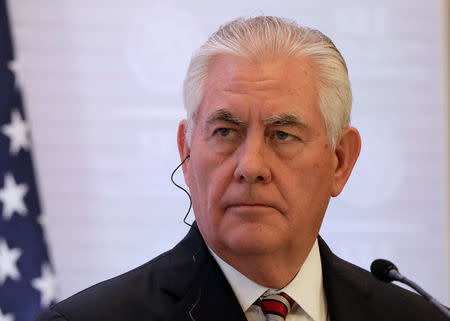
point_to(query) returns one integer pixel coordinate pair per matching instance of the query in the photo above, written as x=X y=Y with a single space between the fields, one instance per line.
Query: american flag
x=27 y=282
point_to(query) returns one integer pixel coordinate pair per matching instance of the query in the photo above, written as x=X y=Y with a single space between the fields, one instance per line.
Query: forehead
x=275 y=85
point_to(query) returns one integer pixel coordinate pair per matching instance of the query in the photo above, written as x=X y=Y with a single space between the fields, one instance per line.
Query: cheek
x=309 y=192
x=309 y=182
x=209 y=176
x=321 y=179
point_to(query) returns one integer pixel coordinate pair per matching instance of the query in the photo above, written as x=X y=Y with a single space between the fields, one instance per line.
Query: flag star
x=6 y=317
x=46 y=284
x=42 y=220
x=11 y=195
x=8 y=262
x=17 y=131
x=17 y=68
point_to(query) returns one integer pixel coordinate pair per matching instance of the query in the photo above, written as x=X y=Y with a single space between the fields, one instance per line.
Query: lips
x=250 y=200
x=250 y=205
x=253 y=212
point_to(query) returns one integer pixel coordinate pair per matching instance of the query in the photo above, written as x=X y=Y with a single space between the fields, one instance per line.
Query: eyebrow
x=225 y=115
x=286 y=119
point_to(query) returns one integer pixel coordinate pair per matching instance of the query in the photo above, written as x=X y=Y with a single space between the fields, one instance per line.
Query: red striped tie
x=276 y=306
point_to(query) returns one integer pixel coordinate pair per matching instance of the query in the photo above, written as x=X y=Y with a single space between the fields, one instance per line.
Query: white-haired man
x=266 y=144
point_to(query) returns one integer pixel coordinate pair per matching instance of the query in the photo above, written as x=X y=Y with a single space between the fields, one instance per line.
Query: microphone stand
x=397 y=276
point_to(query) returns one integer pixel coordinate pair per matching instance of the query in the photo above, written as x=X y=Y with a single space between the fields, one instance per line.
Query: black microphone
x=387 y=271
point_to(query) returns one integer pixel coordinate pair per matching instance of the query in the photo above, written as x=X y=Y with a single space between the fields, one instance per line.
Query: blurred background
x=101 y=82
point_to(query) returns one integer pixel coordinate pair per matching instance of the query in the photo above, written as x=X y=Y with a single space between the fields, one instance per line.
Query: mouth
x=243 y=204
x=249 y=206
x=251 y=212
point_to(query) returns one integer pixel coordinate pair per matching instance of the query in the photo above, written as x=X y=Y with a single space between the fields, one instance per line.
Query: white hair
x=266 y=37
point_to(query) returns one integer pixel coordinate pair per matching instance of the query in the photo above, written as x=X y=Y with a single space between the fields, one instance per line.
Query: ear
x=183 y=148
x=347 y=152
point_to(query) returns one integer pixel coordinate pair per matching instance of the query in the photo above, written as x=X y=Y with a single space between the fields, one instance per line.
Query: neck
x=271 y=270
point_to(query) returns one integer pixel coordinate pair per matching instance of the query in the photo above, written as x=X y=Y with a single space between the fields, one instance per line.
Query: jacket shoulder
x=351 y=288
x=134 y=294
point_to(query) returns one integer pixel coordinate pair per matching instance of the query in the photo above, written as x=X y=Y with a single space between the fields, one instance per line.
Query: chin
x=254 y=238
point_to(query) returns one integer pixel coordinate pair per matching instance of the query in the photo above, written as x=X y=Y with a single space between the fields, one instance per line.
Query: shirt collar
x=306 y=288
x=246 y=291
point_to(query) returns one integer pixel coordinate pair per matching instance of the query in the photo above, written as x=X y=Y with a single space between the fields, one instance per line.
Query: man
x=265 y=145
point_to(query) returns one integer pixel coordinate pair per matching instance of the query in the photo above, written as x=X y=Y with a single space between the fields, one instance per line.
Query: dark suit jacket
x=186 y=284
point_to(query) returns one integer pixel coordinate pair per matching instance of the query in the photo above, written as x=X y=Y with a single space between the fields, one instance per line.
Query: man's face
x=261 y=168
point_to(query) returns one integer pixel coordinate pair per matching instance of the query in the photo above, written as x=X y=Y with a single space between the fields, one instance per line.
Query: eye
x=283 y=135
x=224 y=132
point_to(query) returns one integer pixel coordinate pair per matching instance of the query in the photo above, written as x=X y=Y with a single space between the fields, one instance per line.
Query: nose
x=252 y=164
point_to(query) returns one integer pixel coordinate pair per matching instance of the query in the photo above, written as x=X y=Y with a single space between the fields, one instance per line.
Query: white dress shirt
x=306 y=289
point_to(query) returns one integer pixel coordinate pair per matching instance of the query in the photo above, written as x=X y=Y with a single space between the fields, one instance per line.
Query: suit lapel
x=348 y=293
x=197 y=281
x=215 y=299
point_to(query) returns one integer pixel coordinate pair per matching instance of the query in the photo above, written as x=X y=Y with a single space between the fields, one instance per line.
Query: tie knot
x=276 y=306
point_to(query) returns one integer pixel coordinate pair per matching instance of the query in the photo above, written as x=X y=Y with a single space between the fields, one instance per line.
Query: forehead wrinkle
x=223 y=114
x=245 y=86
x=285 y=119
